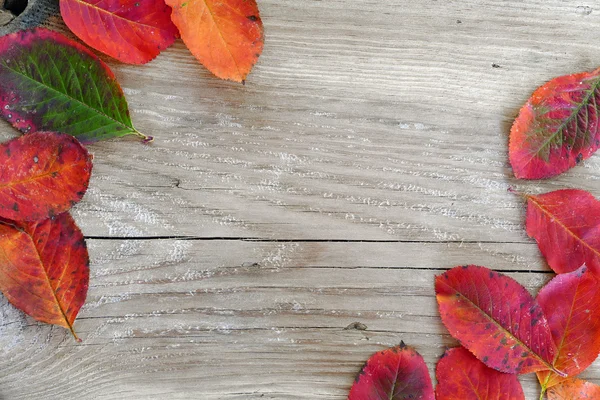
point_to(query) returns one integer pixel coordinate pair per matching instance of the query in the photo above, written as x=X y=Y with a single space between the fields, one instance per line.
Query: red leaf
x=496 y=319
x=574 y=389
x=42 y=174
x=461 y=376
x=225 y=36
x=398 y=373
x=566 y=226
x=557 y=127
x=570 y=302
x=44 y=268
x=132 y=31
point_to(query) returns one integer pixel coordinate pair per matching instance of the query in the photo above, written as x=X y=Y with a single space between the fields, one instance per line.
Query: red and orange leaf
x=225 y=36
x=132 y=31
x=42 y=174
x=570 y=302
x=574 y=389
x=496 y=318
x=558 y=127
x=398 y=373
x=44 y=268
x=566 y=226
x=462 y=376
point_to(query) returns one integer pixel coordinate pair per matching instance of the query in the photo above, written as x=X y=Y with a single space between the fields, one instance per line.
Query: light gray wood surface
x=365 y=154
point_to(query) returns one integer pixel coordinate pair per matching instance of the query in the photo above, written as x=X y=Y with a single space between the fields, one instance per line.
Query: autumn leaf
x=42 y=174
x=557 y=128
x=44 y=268
x=51 y=83
x=132 y=31
x=571 y=305
x=398 y=373
x=566 y=226
x=225 y=36
x=462 y=376
x=496 y=319
x=574 y=389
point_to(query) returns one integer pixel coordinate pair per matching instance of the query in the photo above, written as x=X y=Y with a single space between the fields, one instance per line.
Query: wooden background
x=366 y=154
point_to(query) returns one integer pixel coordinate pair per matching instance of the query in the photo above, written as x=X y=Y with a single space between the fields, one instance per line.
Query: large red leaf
x=571 y=304
x=557 y=127
x=42 y=174
x=44 y=268
x=398 y=373
x=574 y=389
x=495 y=317
x=132 y=31
x=462 y=376
x=225 y=36
x=566 y=226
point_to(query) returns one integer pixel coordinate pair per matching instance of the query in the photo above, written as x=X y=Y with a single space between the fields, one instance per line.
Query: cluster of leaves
x=225 y=36
x=58 y=93
x=502 y=329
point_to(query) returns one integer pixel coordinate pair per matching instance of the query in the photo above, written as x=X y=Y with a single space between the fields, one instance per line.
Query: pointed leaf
x=495 y=317
x=557 y=127
x=132 y=31
x=566 y=226
x=51 y=83
x=225 y=36
x=44 y=268
x=574 y=389
x=571 y=304
x=462 y=376
x=398 y=373
x=42 y=174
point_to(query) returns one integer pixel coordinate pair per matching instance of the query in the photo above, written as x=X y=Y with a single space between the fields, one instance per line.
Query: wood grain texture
x=366 y=153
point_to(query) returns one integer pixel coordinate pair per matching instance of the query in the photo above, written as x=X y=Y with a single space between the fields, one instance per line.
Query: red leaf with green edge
x=398 y=373
x=42 y=174
x=566 y=226
x=496 y=318
x=132 y=31
x=44 y=268
x=51 y=83
x=574 y=389
x=557 y=128
x=462 y=376
x=225 y=36
x=571 y=305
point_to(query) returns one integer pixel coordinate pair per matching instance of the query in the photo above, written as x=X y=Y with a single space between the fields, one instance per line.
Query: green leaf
x=49 y=82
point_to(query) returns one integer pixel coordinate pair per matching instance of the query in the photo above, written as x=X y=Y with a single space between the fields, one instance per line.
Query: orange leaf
x=42 y=174
x=132 y=31
x=44 y=268
x=225 y=36
x=574 y=389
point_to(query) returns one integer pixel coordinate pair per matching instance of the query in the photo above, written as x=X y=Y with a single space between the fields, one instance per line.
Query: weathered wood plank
x=365 y=154
x=233 y=319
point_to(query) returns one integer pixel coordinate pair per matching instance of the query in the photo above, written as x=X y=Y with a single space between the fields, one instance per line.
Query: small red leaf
x=462 y=376
x=132 y=31
x=42 y=174
x=496 y=318
x=557 y=127
x=398 y=373
x=44 y=268
x=566 y=226
x=571 y=304
x=574 y=389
